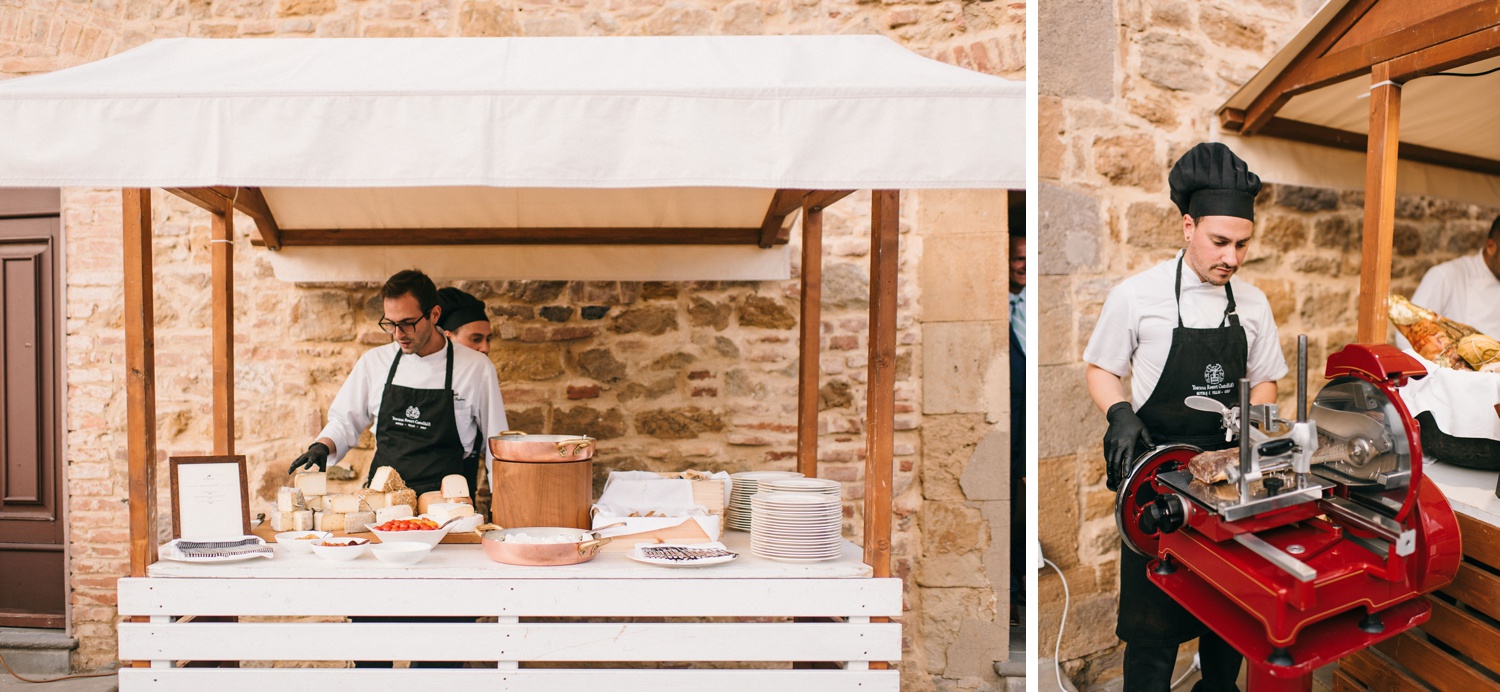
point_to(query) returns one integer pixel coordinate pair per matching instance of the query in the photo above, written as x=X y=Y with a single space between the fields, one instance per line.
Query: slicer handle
x=1275 y=448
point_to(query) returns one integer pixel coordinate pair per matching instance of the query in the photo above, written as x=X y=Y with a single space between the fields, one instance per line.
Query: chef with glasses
x=430 y=403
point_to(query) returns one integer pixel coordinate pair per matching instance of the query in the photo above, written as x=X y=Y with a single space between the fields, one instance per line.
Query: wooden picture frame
x=210 y=481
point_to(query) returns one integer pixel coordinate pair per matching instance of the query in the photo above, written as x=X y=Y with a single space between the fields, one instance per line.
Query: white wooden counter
x=758 y=598
x=1470 y=491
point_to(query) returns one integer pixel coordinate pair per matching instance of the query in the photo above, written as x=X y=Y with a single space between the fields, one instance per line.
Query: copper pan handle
x=587 y=547
x=578 y=444
x=511 y=432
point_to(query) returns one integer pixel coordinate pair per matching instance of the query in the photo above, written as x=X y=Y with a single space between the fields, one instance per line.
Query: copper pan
x=540 y=554
x=514 y=445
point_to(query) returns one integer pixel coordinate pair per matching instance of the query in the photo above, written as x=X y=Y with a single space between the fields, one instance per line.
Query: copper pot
x=539 y=554
x=514 y=445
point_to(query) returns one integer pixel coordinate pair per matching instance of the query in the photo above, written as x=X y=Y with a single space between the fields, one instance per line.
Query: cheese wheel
x=289 y=500
x=354 y=522
x=427 y=499
x=311 y=483
x=373 y=500
x=343 y=502
x=386 y=480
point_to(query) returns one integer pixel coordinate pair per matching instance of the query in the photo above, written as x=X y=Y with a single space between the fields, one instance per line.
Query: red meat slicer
x=1297 y=564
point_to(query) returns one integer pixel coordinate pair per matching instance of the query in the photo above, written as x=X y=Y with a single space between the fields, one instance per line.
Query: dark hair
x=414 y=283
x=1495 y=230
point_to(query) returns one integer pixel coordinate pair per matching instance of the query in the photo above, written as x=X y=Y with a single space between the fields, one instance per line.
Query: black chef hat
x=1209 y=180
x=459 y=309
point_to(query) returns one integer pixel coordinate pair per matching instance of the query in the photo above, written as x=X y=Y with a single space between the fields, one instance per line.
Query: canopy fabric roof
x=808 y=112
x=687 y=143
x=1315 y=90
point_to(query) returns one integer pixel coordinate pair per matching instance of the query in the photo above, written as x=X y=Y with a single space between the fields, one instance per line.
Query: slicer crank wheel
x=1141 y=489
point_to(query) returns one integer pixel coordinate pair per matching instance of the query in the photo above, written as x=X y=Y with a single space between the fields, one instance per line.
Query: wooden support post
x=140 y=379
x=880 y=391
x=811 y=333
x=221 y=251
x=1380 y=206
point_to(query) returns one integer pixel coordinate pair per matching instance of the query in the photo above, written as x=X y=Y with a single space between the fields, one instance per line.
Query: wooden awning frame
x=1424 y=46
x=220 y=202
x=774 y=229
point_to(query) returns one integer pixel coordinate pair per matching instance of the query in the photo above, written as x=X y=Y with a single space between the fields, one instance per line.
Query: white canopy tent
x=678 y=144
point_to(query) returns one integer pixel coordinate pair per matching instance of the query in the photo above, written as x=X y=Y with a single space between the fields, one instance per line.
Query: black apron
x=416 y=432
x=1205 y=362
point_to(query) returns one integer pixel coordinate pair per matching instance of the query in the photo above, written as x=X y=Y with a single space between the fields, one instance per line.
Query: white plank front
x=523 y=598
x=409 y=641
x=614 y=680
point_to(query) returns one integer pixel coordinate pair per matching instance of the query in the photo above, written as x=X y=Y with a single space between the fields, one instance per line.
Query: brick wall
x=1126 y=87
x=667 y=375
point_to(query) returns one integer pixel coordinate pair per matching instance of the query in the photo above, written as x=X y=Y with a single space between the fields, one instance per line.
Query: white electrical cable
x=1057 y=649
x=1186 y=673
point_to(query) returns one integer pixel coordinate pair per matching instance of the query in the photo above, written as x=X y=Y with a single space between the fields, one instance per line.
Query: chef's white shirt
x=1463 y=290
x=476 y=393
x=1134 y=331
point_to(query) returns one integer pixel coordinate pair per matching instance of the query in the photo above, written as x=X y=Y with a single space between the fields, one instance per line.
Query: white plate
x=794 y=499
x=169 y=551
x=635 y=555
x=778 y=558
x=765 y=475
x=805 y=485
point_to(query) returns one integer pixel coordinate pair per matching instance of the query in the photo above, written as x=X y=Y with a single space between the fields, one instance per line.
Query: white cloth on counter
x=1463 y=290
x=1462 y=402
x=477 y=405
x=1134 y=331
x=642 y=492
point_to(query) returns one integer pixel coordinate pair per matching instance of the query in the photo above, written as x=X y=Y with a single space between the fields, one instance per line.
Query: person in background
x=1018 y=347
x=1184 y=327
x=466 y=322
x=1466 y=289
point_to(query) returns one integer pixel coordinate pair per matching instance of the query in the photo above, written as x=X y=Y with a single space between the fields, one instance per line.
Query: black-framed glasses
x=406 y=326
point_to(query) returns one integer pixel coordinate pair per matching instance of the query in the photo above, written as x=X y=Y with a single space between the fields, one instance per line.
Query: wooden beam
x=880 y=390
x=1299 y=131
x=221 y=253
x=773 y=230
x=1294 y=76
x=246 y=200
x=1380 y=207
x=820 y=199
x=1471 y=48
x=809 y=339
x=519 y=236
x=140 y=379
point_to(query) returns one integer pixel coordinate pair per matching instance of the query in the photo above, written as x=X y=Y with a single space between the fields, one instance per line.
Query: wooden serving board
x=465 y=538
x=688 y=531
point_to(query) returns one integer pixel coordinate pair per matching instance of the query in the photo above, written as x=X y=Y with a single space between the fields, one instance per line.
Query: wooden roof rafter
x=247 y=200
x=1415 y=44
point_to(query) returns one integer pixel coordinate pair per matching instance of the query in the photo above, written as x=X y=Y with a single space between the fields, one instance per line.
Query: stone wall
x=1127 y=86
x=667 y=375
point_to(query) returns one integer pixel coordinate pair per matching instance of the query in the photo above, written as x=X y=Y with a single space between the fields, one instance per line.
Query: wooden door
x=33 y=575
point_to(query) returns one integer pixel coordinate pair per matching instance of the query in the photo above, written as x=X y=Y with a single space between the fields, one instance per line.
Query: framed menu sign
x=210 y=498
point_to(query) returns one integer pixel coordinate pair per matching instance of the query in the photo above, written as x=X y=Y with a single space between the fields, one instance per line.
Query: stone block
x=1070 y=418
x=846 y=287
x=964 y=277
x=1306 y=198
x=1231 y=29
x=1129 y=160
x=987 y=473
x=1153 y=226
x=948 y=212
x=1054 y=329
x=651 y=321
x=1172 y=62
x=1322 y=305
x=942 y=614
x=1076 y=49
x=677 y=423
x=322 y=315
x=765 y=313
x=1339 y=232
x=962 y=368
x=1058 y=492
x=1281 y=232
x=1071 y=230
x=583 y=420
x=600 y=364
x=1051 y=145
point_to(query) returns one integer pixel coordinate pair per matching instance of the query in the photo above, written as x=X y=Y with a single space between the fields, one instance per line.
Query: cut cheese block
x=428 y=499
x=386 y=480
x=328 y=521
x=311 y=483
x=289 y=500
x=455 y=485
x=444 y=512
x=373 y=500
x=386 y=514
x=354 y=522
x=343 y=502
x=404 y=496
x=296 y=520
x=315 y=503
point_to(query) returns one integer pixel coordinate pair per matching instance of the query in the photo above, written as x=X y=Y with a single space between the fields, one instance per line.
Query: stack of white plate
x=796 y=527
x=821 y=486
x=742 y=486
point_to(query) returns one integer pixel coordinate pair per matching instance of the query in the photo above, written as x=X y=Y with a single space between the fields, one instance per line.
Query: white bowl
x=288 y=539
x=401 y=553
x=351 y=548
x=431 y=537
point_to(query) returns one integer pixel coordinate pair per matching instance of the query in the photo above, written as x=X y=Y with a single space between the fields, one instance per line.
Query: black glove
x=1125 y=438
x=316 y=455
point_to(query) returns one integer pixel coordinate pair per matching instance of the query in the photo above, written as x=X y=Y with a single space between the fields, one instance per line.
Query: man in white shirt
x=1466 y=289
x=1184 y=327
x=430 y=403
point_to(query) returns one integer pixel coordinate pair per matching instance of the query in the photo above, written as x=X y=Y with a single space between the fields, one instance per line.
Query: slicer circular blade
x=1141 y=489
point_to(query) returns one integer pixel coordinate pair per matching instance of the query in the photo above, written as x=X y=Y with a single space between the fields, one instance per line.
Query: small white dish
x=401 y=553
x=347 y=548
x=294 y=542
x=430 y=537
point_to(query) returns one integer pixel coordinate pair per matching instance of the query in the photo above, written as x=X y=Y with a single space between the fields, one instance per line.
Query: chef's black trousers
x=1149 y=668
